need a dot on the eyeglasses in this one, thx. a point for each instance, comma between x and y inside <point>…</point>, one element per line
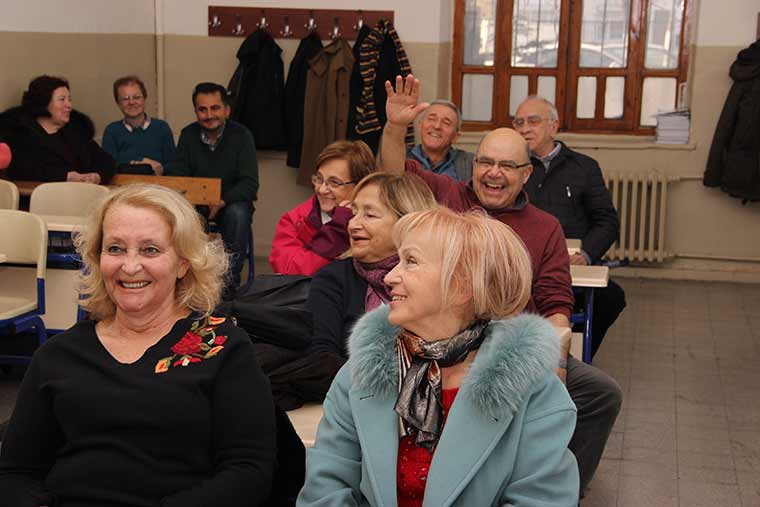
<point>533,121</point>
<point>503,165</point>
<point>127,98</point>
<point>332,183</point>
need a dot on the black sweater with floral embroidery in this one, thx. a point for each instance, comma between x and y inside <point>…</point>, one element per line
<point>190,423</point>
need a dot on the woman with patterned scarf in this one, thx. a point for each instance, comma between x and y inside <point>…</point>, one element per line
<point>449,396</point>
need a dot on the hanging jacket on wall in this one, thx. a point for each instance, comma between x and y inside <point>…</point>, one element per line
<point>325,111</point>
<point>295,91</point>
<point>734,160</point>
<point>355,85</point>
<point>382,58</point>
<point>258,90</point>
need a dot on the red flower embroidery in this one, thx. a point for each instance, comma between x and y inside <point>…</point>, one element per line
<point>189,344</point>
<point>192,348</point>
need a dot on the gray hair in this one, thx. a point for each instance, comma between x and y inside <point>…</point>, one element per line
<point>539,98</point>
<point>450,105</point>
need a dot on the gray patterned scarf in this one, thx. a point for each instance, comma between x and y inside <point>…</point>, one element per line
<point>419,404</point>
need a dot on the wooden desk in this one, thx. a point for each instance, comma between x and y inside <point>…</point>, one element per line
<point>573,246</point>
<point>26,188</point>
<point>305,421</point>
<point>59,223</point>
<point>589,276</point>
<point>198,191</point>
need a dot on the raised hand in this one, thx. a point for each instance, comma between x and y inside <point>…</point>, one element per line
<point>402,106</point>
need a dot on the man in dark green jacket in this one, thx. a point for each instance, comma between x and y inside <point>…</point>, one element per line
<point>215,147</point>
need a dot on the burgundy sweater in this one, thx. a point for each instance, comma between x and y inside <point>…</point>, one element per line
<point>542,234</point>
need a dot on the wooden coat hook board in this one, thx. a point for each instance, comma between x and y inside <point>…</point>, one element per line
<point>291,23</point>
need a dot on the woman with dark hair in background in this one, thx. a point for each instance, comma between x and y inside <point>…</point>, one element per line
<point>50,140</point>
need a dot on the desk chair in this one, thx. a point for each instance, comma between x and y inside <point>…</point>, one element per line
<point>67,198</point>
<point>8,195</point>
<point>21,304</point>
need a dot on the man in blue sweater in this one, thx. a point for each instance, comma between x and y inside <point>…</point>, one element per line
<point>215,147</point>
<point>137,138</point>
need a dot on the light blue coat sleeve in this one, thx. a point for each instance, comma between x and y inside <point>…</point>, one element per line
<point>333,465</point>
<point>545,472</point>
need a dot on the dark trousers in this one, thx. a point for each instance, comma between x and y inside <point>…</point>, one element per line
<point>608,304</point>
<point>597,398</point>
<point>234,221</point>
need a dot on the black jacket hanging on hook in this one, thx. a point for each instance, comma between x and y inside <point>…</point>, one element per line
<point>258,91</point>
<point>295,91</point>
<point>734,160</point>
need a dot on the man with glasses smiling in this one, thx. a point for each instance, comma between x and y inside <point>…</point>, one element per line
<point>569,185</point>
<point>501,168</point>
<point>137,139</point>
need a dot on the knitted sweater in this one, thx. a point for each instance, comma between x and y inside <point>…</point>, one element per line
<point>233,160</point>
<point>155,142</point>
<point>190,423</point>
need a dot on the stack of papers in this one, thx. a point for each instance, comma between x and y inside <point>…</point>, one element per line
<point>673,127</point>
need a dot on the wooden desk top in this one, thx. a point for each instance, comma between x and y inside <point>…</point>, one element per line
<point>590,276</point>
<point>27,187</point>
<point>59,223</point>
<point>198,191</point>
<point>573,246</point>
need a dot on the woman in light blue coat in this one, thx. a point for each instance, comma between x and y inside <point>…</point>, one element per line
<point>449,396</point>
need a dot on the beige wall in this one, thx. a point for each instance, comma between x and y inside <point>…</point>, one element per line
<point>91,62</point>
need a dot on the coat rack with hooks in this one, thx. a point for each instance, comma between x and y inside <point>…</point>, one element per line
<point>291,23</point>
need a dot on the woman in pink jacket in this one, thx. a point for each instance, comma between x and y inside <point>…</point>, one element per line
<point>5,155</point>
<point>315,232</point>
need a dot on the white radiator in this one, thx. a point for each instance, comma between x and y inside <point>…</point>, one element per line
<point>641,202</point>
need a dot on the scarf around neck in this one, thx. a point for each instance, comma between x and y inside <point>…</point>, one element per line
<point>419,403</point>
<point>374,274</point>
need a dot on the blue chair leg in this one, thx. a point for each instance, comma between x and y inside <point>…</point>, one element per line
<point>251,265</point>
<point>587,331</point>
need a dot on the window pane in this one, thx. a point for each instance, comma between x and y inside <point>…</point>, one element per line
<point>479,30</point>
<point>477,96</point>
<point>518,91</point>
<point>614,91</point>
<point>535,33</point>
<point>659,94</point>
<point>663,34</point>
<point>547,88</point>
<point>604,33</point>
<point>586,103</point>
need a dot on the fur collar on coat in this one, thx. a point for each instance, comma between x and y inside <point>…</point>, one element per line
<point>15,118</point>
<point>515,356</point>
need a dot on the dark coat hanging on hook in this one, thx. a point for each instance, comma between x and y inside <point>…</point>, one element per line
<point>258,91</point>
<point>295,91</point>
<point>356,83</point>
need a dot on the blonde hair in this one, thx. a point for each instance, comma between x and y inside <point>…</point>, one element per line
<point>200,288</point>
<point>481,257</point>
<point>401,193</point>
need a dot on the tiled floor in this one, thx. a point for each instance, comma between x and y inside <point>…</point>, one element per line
<point>687,356</point>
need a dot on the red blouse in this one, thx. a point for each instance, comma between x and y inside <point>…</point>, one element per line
<point>414,462</point>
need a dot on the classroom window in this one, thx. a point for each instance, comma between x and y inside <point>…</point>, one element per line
<point>608,65</point>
